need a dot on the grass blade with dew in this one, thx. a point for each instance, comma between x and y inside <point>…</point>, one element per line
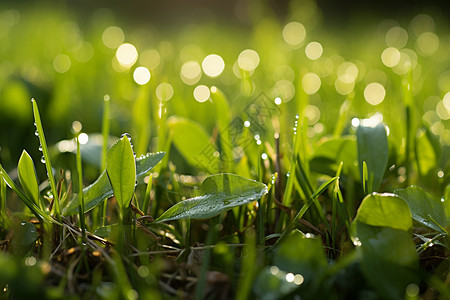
<point>36,210</point>
<point>105,134</point>
<point>305,207</point>
<point>80,191</point>
<point>46,158</point>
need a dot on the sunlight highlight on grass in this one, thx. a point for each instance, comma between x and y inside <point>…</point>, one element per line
<point>213,65</point>
<point>374,93</point>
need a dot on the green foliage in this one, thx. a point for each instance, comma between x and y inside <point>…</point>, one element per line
<point>27,177</point>
<point>373,150</point>
<point>192,141</point>
<point>101,189</point>
<point>220,192</point>
<point>305,143</point>
<point>121,171</point>
<point>386,210</point>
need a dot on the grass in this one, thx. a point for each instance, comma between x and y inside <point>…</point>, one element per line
<point>284,175</point>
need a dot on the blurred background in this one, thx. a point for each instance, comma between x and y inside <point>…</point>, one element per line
<point>309,57</point>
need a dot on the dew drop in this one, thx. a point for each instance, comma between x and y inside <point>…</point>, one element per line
<point>36,133</point>
<point>22,223</point>
<point>40,148</point>
<point>297,116</point>
<point>127,135</point>
<point>288,174</point>
<point>43,159</point>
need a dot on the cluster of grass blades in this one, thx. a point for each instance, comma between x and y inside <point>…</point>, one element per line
<point>113,240</point>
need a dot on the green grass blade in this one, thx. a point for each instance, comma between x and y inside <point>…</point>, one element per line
<point>38,212</point>
<point>46,157</point>
<point>373,149</point>
<point>105,130</point>
<point>80,189</point>
<point>28,178</point>
<point>305,207</point>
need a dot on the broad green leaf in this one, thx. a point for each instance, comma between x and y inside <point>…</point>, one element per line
<point>299,254</point>
<point>304,260</point>
<point>221,192</point>
<point>27,177</point>
<point>25,235</point>
<point>101,189</point>
<point>424,208</point>
<point>329,154</point>
<point>121,171</point>
<point>194,143</point>
<point>387,210</point>
<point>389,259</point>
<point>373,149</point>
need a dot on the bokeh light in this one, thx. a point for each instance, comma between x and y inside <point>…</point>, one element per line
<point>294,34</point>
<point>164,91</point>
<point>311,83</point>
<point>150,58</point>
<point>313,50</point>
<point>62,63</point>
<point>248,60</point>
<point>191,72</point>
<point>347,72</point>
<point>113,37</point>
<point>141,75</point>
<point>127,55</point>
<point>374,93</point>
<point>213,65</point>
<point>422,23</point>
<point>283,89</point>
<point>202,93</point>
<point>390,57</point>
<point>427,43</point>
<point>396,37</point>
<point>344,88</point>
